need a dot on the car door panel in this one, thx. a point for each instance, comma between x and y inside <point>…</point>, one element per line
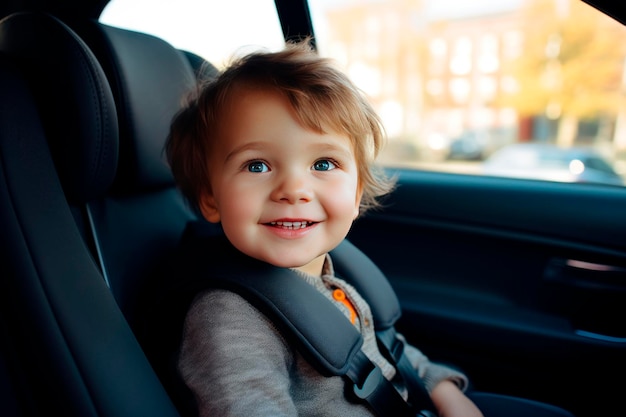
<point>509,279</point>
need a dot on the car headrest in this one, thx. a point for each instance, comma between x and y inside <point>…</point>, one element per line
<point>203,69</point>
<point>73,98</point>
<point>150,80</point>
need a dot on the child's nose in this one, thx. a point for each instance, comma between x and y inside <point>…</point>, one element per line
<point>293,189</point>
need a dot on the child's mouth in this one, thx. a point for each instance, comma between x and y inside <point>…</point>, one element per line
<point>302,224</point>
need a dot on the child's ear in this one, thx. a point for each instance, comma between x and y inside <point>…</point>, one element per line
<point>357,204</point>
<point>209,208</point>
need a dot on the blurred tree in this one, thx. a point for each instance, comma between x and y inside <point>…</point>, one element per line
<point>571,68</point>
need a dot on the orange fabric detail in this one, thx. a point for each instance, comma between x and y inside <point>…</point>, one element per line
<point>340,296</point>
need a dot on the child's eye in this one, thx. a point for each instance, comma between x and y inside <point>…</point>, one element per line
<point>258,166</point>
<point>324,165</point>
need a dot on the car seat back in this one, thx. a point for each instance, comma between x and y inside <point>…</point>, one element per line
<point>70,344</point>
<point>143,216</point>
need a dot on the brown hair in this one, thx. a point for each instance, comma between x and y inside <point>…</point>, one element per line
<point>322,98</point>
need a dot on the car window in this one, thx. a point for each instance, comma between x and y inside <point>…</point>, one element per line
<point>200,26</point>
<point>455,81</point>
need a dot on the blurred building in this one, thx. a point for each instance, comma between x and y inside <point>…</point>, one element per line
<point>435,79</point>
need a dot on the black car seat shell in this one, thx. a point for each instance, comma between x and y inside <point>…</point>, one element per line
<point>75,99</point>
<point>143,215</point>
<point>71,345</point>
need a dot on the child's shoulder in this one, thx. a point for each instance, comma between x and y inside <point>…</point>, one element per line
<point>216,303</point>
<point>223,314</point>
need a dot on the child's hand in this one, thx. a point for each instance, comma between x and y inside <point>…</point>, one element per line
<point>451,402</point>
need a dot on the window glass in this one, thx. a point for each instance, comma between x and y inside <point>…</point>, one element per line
<point>214,31</point>
<point>457,82</point>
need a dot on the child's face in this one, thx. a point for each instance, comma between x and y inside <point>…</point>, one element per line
<point>284,194</point>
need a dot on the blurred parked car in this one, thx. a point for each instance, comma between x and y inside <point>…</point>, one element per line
<point>477,144</point>
<point>471,145</point>
<point>551,163</point>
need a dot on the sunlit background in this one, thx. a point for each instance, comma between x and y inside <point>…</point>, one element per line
<point>456,83</point>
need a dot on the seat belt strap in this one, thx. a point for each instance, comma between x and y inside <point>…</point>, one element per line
<point>393,349</point>
<point>370,385</point>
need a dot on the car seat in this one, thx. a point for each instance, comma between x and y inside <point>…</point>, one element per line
<point>143,217</point>
<point>143,214</point>
<point>68,347</point>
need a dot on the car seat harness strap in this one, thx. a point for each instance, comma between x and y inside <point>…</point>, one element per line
<point>302,314</point>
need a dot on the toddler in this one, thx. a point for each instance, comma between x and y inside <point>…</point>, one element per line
<point>279,150</point>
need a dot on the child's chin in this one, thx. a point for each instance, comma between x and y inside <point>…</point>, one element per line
<point>283,263</point>
<point>281,258</point>
<point>289,262</point>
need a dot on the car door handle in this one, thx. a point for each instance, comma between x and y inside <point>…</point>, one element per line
<point>591,295</point>
<point>586,275</point>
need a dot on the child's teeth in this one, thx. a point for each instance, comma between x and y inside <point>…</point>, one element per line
<point>291,225</point>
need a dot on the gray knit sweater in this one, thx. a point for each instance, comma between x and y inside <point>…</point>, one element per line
<point>237,363</point>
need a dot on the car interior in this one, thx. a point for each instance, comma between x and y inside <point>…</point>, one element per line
<point>521,284</point>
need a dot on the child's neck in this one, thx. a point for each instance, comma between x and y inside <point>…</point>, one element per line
<point>314,267</point>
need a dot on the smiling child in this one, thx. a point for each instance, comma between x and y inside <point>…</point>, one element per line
<point>279,150</point>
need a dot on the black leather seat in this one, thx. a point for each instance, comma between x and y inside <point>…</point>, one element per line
<point>71,351</point>
<point>18,122</point>
<point>143,215</point>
